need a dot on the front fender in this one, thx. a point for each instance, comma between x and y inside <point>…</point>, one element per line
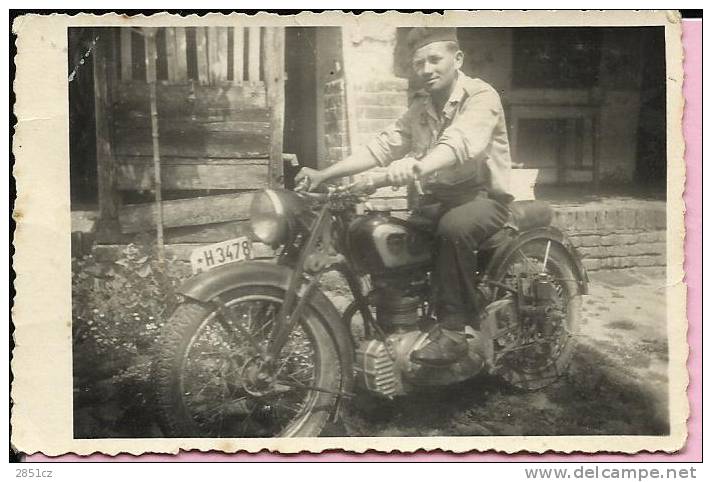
<point>208,285</point>
<point>547,232</point>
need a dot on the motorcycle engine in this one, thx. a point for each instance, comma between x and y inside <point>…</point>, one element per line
<point>398,298</point>
<point>384,366</point>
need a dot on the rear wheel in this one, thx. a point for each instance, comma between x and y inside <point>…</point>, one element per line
<point>533,349</point>
<point>213,382</point>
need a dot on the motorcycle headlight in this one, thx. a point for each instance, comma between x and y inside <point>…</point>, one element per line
<point>268,218</point>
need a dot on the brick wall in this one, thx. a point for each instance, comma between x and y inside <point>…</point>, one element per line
<point>335,123</point>
<point>610,235</point>
<point>378,103</point>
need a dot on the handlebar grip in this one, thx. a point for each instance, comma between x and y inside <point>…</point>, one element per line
<point>303,184</point>
<point>380,179</point>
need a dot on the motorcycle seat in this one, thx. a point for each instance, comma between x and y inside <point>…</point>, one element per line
<point>530,214</point>
<point>524,215</point>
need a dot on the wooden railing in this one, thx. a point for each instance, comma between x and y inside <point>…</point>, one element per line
<point>207,55</point>
<point>202,121</point>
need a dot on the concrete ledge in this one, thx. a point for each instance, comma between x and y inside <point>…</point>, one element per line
<point>637,249</point>
<point>594,264</point>
<point>615,232</point>
<point>617,238</point>
<point>611,216</point>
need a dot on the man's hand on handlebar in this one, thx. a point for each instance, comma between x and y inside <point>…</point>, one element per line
<point>308,179</point>
<point>398,173</point>
<point>402,171</point>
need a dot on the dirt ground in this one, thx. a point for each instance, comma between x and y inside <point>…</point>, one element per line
<point>617,383</point>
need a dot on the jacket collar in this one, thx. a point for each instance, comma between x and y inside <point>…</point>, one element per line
<point>459,92</point>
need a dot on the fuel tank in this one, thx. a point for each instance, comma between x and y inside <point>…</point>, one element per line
<point>378,243</point>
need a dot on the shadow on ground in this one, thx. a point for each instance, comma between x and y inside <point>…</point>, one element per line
<point>597,397</point>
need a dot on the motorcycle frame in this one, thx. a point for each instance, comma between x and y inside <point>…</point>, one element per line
<point>289,272</point>
<point>295,302</point>
<point>318,227</point>
<point>288,316</point>
<point>487,275</point>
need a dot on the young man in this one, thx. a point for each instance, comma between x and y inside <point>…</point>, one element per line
<point>455,132</point>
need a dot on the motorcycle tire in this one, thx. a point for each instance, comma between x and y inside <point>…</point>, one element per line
<point>560,266</point>
<point>174,374</point>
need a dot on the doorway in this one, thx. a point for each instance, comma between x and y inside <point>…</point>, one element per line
<point>300,110</point>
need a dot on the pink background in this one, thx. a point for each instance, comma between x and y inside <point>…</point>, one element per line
<point>692,452</point>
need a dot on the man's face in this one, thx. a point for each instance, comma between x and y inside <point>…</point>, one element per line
<point>436,65</point>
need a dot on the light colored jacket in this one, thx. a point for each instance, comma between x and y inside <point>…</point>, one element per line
<point>472,124</point>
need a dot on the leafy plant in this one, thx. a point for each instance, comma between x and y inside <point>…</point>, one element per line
<point>119,305</point>
<point>118,309</point>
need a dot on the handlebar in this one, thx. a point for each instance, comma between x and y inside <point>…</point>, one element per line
<point>376,180</point>
<point>380,179</point>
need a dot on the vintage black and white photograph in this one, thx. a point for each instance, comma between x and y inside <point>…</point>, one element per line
<point>386,228</point>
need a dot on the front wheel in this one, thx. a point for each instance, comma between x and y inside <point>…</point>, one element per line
<point>212,381</point>
<point>536,347</point>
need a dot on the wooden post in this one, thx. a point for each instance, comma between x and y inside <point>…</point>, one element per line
<point>181,66</point>
<point>213,54</point>
<point>171,59</point>
<point>201,43</point>
<point>273,61</point>
<point>217,54</point>
<point>253,56</point>
<point>106,174</point>
<point>150,43</point>
<point>238,42</point>
<point>126,66</point>
<point>222,53</point>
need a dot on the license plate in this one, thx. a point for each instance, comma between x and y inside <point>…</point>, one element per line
<point>218,254</point>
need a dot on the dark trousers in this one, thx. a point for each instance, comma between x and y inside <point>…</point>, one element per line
<point>461,229</point>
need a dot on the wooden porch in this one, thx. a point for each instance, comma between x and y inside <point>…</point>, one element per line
<point>189,124</point>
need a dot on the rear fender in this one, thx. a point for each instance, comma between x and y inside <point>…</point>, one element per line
<point>549,233</point>
<point>208,285</point>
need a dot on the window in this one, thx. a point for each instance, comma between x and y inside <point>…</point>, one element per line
<point>556,58</point>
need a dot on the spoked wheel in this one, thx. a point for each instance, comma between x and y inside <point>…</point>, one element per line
<point>214,381</point>
<point>535,348</point>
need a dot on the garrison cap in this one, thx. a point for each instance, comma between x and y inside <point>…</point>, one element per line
<point>421,36</point>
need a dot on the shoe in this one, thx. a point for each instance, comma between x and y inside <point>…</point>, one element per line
<point>445,348</point>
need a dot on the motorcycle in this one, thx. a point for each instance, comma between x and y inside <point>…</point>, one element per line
<point>256,349</point>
